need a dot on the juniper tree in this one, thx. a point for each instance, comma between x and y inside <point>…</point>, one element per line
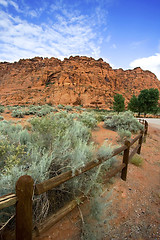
<point>148,100</point>
<point>118,104</point>
<point>133,104</point>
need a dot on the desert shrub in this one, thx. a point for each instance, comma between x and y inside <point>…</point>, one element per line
<point>24,137</point>
<point>42,132</point>
<point>62,114</point>
<point>33,162</point>
<point>26,112</point>
<point>44,110</point>
<point>13,107</point>
<point>125,121</point>
<point>34,109</point>
<point>10,130</point>
<point>11,155</point>
<point>78,108</point>
<point>124,134</point>
<point>67,138</point>
<point>88,119</point>
<point>137,160</point>
<point>100,116</point>
<point>96,223</point>
<point>60,106</point>
<point>55,143</point>
<point>104,151</point>
<point>54,110</point>
<point>68,108</point>
<point>75,115</point>
<point>39,110</point>
<point>2,108</point>
<point>1,118</point>
<point>19,157</point>
<point>17,114</point>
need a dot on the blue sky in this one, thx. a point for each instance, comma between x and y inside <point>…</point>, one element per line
<point>125,33</point>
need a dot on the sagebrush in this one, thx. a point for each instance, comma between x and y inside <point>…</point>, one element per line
<point>125,121</point>
<point>49,146</point>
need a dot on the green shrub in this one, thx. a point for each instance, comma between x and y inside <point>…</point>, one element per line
<point>137,160</point>
<point>124,134</point>
<point>34,109</point>
<point>17,114</point>
<point>2,108</point>
<point>44,110</point>
<point>125,121</point>
<point>60,106</point>
<point>13,107</point>
<point>1,118</point>
<point>10,154</point>
<point>54,110</point>
<point>100,117</point>
<point>68,108</point>
<point>10,130</point>
<point>104,152</point>
<point>78,108</point>
<point>55,143</point>
<point>24,137</point>
<point>88,119</point>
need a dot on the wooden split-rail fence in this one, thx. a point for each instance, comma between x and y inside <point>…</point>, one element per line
<point>25,189</point>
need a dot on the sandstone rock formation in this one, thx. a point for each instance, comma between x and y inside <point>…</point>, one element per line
<point>73,81</point>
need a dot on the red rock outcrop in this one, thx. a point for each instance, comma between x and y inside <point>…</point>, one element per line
<point>74,81</point>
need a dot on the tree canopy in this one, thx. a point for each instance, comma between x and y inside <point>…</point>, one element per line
<point>146,102</point>
<point>133,104</point>
<point>118,104</point>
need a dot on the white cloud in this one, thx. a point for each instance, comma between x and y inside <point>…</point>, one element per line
<point>69,34</point>
<point>32,13</point>
<point>23,8</point>
<point>114,46</point>
<point>6,3</point>
<point>151,63</point>
<point>15,5</point>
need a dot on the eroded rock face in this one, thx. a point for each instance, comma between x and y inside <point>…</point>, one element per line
<point>73,81</point>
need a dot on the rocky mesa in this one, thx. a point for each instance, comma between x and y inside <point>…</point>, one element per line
<point>73,81</point>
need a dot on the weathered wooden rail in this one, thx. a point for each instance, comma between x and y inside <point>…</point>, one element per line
<point>25,188</point>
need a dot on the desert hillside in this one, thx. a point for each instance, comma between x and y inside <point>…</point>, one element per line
<point>74,81</point>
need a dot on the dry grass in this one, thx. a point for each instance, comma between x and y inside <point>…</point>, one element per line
<point>137,160</point>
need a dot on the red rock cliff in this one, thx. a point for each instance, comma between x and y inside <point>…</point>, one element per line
<point>77,80</point>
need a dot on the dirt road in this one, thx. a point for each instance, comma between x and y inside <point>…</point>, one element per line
<point>154,122</point>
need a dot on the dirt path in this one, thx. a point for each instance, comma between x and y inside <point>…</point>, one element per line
<point>137,201</point>
<point>134,212</point>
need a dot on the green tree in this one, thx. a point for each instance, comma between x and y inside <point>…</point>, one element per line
<point>118,104</point>
<point>153,100</point>
<point>148,100</point>
<point>133,104</point>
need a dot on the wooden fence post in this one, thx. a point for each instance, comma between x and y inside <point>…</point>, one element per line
<point>24,193</point>
<point>125,160</point>
<point>140,143</point>
<point>145,130</point>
